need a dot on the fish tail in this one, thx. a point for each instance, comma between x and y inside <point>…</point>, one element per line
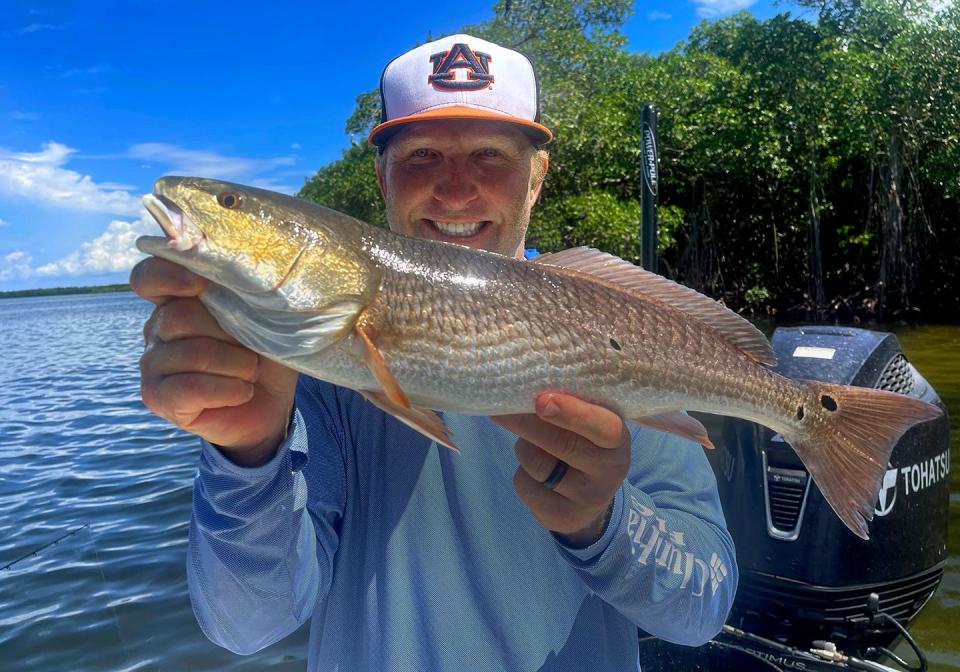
<point>845,439</point>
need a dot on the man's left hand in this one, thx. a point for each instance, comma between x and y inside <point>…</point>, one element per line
<point>595,444</point>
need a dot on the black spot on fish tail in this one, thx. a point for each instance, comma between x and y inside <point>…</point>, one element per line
<point>800,412</point>
<point>615,345</point>
<point>828,402</point>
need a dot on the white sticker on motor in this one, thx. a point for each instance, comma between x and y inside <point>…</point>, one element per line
<point>817,353</point>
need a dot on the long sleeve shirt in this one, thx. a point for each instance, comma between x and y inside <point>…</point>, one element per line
<point>409,556</point>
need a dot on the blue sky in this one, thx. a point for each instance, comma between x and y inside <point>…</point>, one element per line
<point>98,99</point>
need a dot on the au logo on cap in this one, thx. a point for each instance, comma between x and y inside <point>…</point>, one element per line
<point>461,57</point>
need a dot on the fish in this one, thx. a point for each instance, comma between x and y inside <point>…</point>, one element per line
<point>420,327</point>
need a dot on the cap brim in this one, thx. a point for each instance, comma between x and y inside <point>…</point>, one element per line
<point>539,133</point>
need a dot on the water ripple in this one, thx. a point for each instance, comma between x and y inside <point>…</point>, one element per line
<point>77,447</point>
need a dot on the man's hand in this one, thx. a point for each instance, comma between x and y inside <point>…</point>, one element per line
<point>593,441</point>
<point>198,377</point>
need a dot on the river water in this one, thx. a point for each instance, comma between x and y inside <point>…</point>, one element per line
<point>80,456</point>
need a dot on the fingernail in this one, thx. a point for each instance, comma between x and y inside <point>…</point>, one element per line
<point>550,409</point>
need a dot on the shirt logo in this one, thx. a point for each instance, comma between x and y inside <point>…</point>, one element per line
<point>461,58</point>
<point>651,541</point>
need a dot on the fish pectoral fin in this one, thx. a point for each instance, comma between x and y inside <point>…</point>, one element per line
<point>392,399</point>
<point>679,423</point>
<point>423,420</point>
<point>378,367</point>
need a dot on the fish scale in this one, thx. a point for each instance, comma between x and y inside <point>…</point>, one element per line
<point>417,325</point>
<point>531,340</point>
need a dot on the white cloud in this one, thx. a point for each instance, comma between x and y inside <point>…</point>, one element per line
<point>3,224</point>
<point>91,70</point>
<point>204,163</point>
<point>709,9</point>
<point>16,265</point>
<point>117,186</point>
<point>112,250</point>
<point>53,152</point>
<point>42,177</point>
<point>35,28</point>
<point>659,16</point>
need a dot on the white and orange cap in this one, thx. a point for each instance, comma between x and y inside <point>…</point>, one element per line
<point>459,77</point>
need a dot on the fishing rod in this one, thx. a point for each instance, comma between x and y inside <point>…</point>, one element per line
<point>45,546</point>
<point>649,190</point>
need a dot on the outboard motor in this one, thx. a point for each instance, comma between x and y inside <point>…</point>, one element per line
<point>806,582</point>
<point>803,575</point>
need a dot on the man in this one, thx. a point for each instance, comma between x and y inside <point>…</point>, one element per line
<point>543,552</point>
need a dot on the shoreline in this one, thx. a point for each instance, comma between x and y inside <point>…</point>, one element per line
<point>58,291</point>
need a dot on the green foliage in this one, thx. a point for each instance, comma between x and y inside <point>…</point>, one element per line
<point>756,296</point>
<point>56,291</point>
<point>349,185</point>
<point>597,218</point>
<point>807,167</point>
<point>669,222</point>
<point>366,116</point>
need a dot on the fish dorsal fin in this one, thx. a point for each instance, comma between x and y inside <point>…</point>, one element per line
<point>625,275</point>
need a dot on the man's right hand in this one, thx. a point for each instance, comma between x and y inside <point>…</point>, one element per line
<point>200,378</point>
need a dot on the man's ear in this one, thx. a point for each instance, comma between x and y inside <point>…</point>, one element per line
<point>538,173</point>
<point>378,169</point>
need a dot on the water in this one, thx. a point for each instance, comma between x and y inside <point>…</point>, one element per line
<point>77,448</point>
<point>935,351</point>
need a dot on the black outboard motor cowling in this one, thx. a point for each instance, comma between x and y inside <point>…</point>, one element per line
<point>803,575</point>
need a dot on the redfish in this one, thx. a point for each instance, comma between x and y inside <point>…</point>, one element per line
<point>420,326</point>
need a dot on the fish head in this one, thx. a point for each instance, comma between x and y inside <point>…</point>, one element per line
<point>239,237</point>
<point>255,241</point>
<point>287,277</point>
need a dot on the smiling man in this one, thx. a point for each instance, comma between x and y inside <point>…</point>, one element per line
<point>541,546</point>
<point>462,181</point>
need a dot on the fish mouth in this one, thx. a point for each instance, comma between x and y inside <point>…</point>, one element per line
<point>182,233</point>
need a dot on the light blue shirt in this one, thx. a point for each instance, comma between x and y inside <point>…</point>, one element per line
<point>409,556</point>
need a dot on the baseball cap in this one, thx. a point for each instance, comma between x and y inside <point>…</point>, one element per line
<point>459,77</point>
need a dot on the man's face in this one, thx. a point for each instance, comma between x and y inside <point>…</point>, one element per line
<point>461,181</point>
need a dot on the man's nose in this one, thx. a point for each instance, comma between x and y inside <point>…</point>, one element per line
<point>457,185</point>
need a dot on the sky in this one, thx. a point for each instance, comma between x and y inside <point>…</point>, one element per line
<point>100,98</point>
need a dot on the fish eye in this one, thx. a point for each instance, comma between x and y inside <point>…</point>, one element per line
<point>229,199</point>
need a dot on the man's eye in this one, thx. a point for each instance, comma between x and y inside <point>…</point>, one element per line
<point>421,153</point>
<point>490,152</point>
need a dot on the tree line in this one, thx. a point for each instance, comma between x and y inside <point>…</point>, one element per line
<point>57,291</point>
<point>809,163</point>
